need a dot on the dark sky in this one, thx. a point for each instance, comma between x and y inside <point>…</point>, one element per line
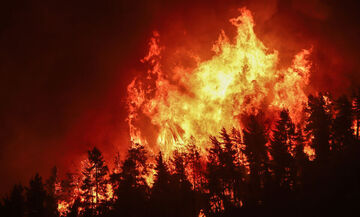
<point>65,65</point>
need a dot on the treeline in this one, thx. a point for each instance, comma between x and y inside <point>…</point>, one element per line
<point>253,172</point>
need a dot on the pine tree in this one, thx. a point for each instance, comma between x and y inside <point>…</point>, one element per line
<point>184,197</point>
<point>35,197</point>
<point>115,175</point>
<point>95,181</point>
<point>129,184</point>
<point>70,187</point>
<point>318,126</point>
<point>52,193</point>
<point>214,188</point>
<point>87,188</point>
<point>240,173</point>
<point>162,202</point>
<point>225,175</point>
<point>14,205</point>
<point>343,134</point>
<point>231,170</point>
<point>196,170</point>
<point>179,174</point>
<point>194,164</point>
<point>281,143</point>
<point>301,159</point>
<point>256,153</point>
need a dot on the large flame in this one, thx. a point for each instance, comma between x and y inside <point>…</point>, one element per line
<point>243,77</point>
<point>170,108</point>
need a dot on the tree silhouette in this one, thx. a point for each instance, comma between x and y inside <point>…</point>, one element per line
<point>70,187</point>
<point>256,152</point>
<point>225,175</point>
<point>74,209</point>
<point>248,172</point>
<point>14,205</point>
<point>196,170</point>
<point>318,127</point>
<point>52,193</point>
<point>115,176</point>
<point>129,184</point>
<point>301,159</point>
<point>215,189</point>
<point>281,143</point>
<point>184,197</point>
<point>94,184</point>
<point>343,134</point>
<point>36,197</point>
<point>162,202</point>
<point>194,164</point>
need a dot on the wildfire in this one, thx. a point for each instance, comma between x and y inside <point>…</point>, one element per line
<point>181,105</point>
<point>76,193</point>
<point>242,77</point>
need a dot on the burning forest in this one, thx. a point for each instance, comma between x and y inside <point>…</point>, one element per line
<point>237,129</point>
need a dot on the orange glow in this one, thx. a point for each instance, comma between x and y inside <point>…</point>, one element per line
<point>354,126</point>
<point>243,77</point>
<point>64,205</point>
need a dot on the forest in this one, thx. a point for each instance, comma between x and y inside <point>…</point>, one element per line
<point>260,170</point>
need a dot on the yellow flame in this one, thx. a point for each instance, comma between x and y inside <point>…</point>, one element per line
<point>242,77</point>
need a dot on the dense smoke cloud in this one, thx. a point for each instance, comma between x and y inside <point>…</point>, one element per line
<point>65,66</point>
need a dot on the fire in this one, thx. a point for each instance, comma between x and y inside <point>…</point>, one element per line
<point>63,207</point>
<point>76,193</point>
<point>183,104</point>
<point>242,77</point>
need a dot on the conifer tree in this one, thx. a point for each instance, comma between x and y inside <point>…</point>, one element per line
<point>301,159</point>
<point>343,133</point>
<point>95,181</point>
<point>318,126</point>
<point>162,202</point>
<point>115,175</point>
<point>129,183</point>
<point>35,198</point>
<point>225,175</point>
<point>70,187</point>
<point>215,189</point>
<point>14,204</point>
<point>52,193</point>
<point>231,169</point>
<point>256,152</point>
<point>193,162</point>
<point>281,144</point>
<point>184,197</point>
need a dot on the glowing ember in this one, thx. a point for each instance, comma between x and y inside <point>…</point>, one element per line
<point>243,77</point>
<point>63,207</point>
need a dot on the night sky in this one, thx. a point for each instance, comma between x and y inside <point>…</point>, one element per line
<point>65,65</point>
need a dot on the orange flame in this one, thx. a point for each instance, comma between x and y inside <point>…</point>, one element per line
<point>76,192</point>
<point>243,77</point>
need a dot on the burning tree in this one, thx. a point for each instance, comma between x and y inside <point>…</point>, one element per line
<point>261,168</point>
<point>318,126</point>
<point>129,184</point>
<point>282,163</point>
<point>94,186</point>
